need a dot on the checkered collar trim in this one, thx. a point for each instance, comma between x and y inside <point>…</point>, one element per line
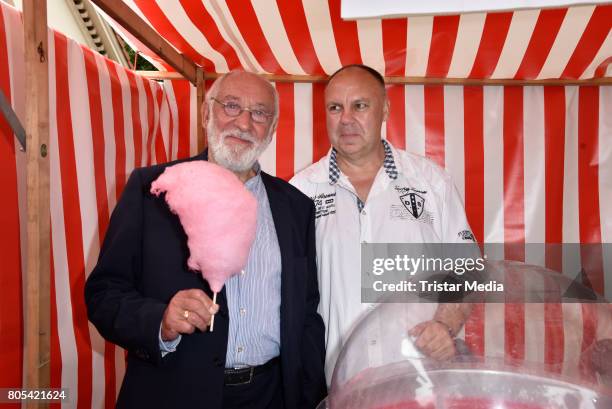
<point>388,164</point>
<point>334,170</point>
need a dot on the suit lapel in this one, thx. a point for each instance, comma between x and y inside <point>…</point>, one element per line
<point>281,214</point>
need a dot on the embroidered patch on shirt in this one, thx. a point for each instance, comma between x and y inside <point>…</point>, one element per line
<point>325,204</point>
<point>412,199</point>
<point>413,205</point>
<point>399,212</point>
<point>466,235</point>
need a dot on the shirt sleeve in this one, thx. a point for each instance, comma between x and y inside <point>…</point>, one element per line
<point>457,232</point>
<point>455,227</point>
<point>167,346</point>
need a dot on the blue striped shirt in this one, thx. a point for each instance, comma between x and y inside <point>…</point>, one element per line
<point>254,296</point>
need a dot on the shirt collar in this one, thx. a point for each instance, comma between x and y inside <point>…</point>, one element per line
<point>334,170</point>
<point>256,168</point>
<point>255,179</point>
<point>388,164</point>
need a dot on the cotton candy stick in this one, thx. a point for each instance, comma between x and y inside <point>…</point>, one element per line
<point>212,319</point>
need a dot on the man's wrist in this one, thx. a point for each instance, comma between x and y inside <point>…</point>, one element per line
<point>451,316</point>
<point>167,346</point>
<point>448,328</point>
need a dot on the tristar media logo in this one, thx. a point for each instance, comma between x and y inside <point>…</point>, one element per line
<point>414,203</point>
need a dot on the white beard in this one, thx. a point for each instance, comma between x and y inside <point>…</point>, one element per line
<point>236,160</point>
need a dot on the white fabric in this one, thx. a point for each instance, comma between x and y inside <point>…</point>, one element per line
<point>340,229</point>
<point>365,9</point>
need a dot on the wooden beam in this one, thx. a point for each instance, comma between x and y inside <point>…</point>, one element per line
<point>201,94</point>
<point>161,75</point>
<point>165,75</point>
<point>485,82</point>
<point>132,22</point>
<point>37,280</point>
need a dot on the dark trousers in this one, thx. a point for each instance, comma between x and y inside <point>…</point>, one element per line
<point>264,392</point>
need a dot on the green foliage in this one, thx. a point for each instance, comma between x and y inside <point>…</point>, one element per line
<point>141,63</point>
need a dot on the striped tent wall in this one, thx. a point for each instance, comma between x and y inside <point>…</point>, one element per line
<point>533,164</point>
<point>104,122</point>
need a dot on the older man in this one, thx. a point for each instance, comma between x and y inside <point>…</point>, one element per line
<point>142,297</point>
<point>374,193</point>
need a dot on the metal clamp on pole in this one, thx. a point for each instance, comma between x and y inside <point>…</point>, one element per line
<point>13,121</point>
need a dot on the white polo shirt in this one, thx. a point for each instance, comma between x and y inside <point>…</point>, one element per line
<point>412,200</point>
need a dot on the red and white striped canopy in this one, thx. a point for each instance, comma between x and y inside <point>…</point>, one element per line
<point>310,38</point>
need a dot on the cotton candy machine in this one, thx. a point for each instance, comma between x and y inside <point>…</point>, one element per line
<point>554,367</point>
<point>463,386</point>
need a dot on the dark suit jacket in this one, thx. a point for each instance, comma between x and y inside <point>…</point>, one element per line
<point>143,263</point>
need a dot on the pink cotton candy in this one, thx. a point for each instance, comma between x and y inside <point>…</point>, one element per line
<point>218,213</point>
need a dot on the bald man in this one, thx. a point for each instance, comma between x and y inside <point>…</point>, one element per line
<point>367,191</point>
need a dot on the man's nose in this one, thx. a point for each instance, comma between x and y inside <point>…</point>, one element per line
<point>346,116</point>
<point>244,121</point>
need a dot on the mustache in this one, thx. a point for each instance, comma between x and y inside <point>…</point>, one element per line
<point>349,129</point>
<point>236,133</point>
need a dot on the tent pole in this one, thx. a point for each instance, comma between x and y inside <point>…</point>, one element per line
<point>37,277</point>
<point>201,93</point>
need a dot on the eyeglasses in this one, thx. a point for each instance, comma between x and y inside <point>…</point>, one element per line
<point>233,109</point>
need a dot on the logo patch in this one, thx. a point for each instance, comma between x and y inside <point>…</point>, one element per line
<point>414,203</point>
<point>325,204</point>
<point>466,235</point>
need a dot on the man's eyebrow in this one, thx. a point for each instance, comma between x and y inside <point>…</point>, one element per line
<point>235,98</point>
<point>261,105</point>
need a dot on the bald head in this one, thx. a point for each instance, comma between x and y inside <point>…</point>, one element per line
<point>369,71</point>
